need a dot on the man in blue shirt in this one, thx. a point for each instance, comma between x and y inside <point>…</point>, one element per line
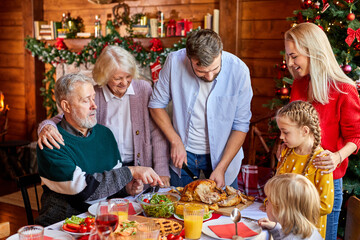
<point>211,94</point>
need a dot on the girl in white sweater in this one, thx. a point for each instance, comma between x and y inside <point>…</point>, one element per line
<point>293,208</point>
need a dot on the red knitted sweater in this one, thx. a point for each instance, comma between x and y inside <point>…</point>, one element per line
<point>339,119</point>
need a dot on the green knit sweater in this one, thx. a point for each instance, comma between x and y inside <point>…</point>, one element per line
<point>83,170</point>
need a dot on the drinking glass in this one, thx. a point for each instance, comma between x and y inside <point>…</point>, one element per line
<point>119,207</point>
<point>105,218</point>
<point>148,230</point>
<point>193,220</point>
<point>31,232</point>
<point>94,235</point>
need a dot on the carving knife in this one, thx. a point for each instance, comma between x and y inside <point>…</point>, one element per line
<point>189,172</point>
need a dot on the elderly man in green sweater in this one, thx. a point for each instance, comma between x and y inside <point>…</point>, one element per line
<point>88,167</point>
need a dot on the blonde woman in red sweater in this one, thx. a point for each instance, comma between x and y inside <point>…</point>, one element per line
<point>320,81</point>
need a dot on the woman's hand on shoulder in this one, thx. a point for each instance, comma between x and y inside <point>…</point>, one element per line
<point>50,136</point>
<point>327,160</point>
<point>266,223</point>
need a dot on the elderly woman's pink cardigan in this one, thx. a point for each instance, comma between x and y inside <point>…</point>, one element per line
<point>151,148</point>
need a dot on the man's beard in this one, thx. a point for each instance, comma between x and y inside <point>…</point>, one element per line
<point>206,80</point>
<point>88,122</point>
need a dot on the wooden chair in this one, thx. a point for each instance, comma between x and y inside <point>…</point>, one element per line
<point>24,182</point>
<point>255,133</point>
<point>4,229</point>
<point>352,229</point>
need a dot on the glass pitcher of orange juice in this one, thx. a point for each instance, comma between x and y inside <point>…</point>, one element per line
<point>193,220</point>
<point>119,207</point>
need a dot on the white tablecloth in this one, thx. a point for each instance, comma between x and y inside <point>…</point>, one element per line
<point>251,212</point>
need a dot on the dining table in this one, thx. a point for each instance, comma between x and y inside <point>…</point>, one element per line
<point>251,212</point>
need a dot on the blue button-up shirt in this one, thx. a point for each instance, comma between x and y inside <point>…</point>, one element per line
<point>228,105</point>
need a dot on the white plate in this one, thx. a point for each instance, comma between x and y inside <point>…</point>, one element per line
<point>49,233</point>
<point>137,207</point>
<point>182,219</point>
<point>206,230</point>
<point>74,234</point>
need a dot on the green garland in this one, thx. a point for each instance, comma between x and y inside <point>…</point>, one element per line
<point>51,55</point>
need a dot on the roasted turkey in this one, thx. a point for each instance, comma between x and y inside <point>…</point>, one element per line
<point>203,190</point>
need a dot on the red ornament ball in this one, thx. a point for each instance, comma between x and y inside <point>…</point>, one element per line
<point>283,66</point>
<point>349,1</point>
<point>357,46</point>
<point>346,68</point>
<point>350,17</point>
<point>306,4</point>
<point>284,91</point>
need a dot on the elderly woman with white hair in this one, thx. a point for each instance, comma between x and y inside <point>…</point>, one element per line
<point>122,102</point>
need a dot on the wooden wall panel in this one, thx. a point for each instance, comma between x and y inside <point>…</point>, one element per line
<point>261,48</point>
<point>10,18</point>
<point>263,24</point>
<point>11,74</point>
<point>10,6</point>
<point>271,9</point>
<point>264,29</point>
<point>263,86</point>
<point>261,68</point>
<point>261,27</point>
<point>12,60</point>
<point>12,66</point>
<point>12,46</point>
<point>13,88</point>
<point>11,32</point>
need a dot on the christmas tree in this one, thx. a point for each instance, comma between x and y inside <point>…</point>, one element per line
<point>339,20</point>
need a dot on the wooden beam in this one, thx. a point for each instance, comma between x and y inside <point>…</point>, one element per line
<point>34,69</point>
<point>230,27</point>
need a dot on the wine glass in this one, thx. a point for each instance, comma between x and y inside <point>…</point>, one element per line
<point>101,233</point>
<point>105,219</point>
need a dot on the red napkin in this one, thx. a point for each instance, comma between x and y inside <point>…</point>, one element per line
<point>131,210</point>
<point>228,230</point>
<point>214,216</point>
<point>47,238</point>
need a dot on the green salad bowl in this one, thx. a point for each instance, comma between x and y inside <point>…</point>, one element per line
<point>158,205</point>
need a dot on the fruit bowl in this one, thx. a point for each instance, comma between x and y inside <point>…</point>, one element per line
<point>159,205</point>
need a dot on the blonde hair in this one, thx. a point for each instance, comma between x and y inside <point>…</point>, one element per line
<point>325,71</point>
<point>302,114</point>
<point>111,59</point>
<point>295,203</point>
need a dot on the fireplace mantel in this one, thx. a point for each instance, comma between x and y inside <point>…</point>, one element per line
<point>77,44</point>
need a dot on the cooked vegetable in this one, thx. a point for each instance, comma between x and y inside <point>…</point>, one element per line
<point>77,224</point>
<point>74,219</point>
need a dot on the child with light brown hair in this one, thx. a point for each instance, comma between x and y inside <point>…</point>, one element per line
<point>293,208</point>
<point>300,130</point>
